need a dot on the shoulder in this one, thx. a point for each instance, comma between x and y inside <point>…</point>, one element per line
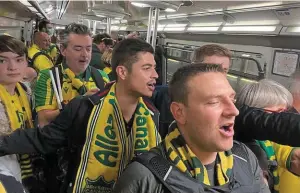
<point>138,179</point>
<point>244,154</point>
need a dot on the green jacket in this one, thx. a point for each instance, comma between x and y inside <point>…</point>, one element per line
<point>96,60</point>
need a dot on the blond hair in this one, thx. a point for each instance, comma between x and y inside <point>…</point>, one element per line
<point>106,57</point>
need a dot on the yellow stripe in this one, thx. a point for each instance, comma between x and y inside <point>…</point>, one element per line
<point>2,189</point>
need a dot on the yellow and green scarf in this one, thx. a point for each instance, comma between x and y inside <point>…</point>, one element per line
<point>187,162</point>
<point>108,148</point>
<point>19,120</point>
<point>267,146</point>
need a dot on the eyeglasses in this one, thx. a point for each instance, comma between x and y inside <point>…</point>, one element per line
<point>278,111</point>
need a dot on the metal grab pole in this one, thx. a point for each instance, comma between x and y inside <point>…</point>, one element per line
<point>94,27</point>
<point>108,25</point>
<point>149,24</point>
<point>155,28</point>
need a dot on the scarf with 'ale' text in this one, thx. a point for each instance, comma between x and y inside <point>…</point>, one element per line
<point>20,118</point>
<point>186,161</point>
<point>108,148</point>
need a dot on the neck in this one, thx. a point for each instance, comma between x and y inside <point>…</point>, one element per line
<point>73,70</point>
<point>206,157</point>
<point>10,88</point>
<point>126,100</point>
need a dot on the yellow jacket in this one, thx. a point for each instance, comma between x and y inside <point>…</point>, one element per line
<point>41,62</point>
<point>288,183</point>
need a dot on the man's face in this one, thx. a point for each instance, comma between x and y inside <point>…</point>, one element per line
<point>43,41</point>
<point>142,78</point>
<point>12,68</point>
<point>224,61</point>
<point>208,117</point>
<point>78,52</point>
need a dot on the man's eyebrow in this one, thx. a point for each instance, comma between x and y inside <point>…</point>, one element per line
<point>8,57</point>
<point>148,65</point>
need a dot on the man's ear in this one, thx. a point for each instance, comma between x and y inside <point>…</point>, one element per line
<point>122,72</point>
<point>178,112</point>
<point>63,50</point>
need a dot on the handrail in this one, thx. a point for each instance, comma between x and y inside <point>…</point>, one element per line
<point>261,72</point>
<point>36,5</point>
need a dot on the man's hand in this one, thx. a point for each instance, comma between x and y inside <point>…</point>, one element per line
<point>295,162</point>
<point>92,91</point>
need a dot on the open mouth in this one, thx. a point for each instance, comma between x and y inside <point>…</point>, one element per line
<point>227,130</point>
<point>151,86</point>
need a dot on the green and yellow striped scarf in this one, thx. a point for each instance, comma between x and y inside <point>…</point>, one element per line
<point>108,148</point>
<point>267,146</point>
<point>19,120</point>
<point>186,161</point>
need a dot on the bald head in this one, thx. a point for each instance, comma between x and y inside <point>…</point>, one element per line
<point>42,40</point>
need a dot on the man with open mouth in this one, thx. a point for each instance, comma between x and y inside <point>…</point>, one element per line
<point>199,153</point>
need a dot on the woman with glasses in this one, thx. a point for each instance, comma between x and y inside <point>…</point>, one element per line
<point>278,162</point>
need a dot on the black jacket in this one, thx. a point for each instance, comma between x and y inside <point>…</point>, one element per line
<point>67,130</point>
<point>253,123</point>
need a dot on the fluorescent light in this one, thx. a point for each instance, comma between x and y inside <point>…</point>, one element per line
<point>174,29</point>
<point>140,4</point>
<point>176,25</point>
<point>176,16</point>
<point>203,29</point>
<point>100,15</point>
<point>123,28</point>
<point>113,27</point>
<point>293,29</point>
<point>59,27</point>
<point>159,27</point>
<point>246,55</point>
<point>206,24</point>
<point>250,28</point>
<point>254,22</point>
<point>170,10</point>
<point>118,18</point>
<point>255,5</point>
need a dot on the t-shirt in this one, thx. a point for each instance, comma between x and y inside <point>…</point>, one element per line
<point>210,168</point>
<point>41,62</point>
<point>45,98</point>
<point>22,118</point>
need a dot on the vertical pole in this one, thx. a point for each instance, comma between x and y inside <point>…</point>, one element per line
<point>108,21</point>
<point>155,24</point>
<point>108,26</point>
<point>149,24</point>
<point>95,27</point>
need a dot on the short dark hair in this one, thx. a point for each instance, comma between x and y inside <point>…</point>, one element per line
<point>97,39</point>
<point>126,53</point>
<point>43,24</point>
<point>73,28</point>
<point>210,50</point>
<point>178,89</point>
<point>11,44</point>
